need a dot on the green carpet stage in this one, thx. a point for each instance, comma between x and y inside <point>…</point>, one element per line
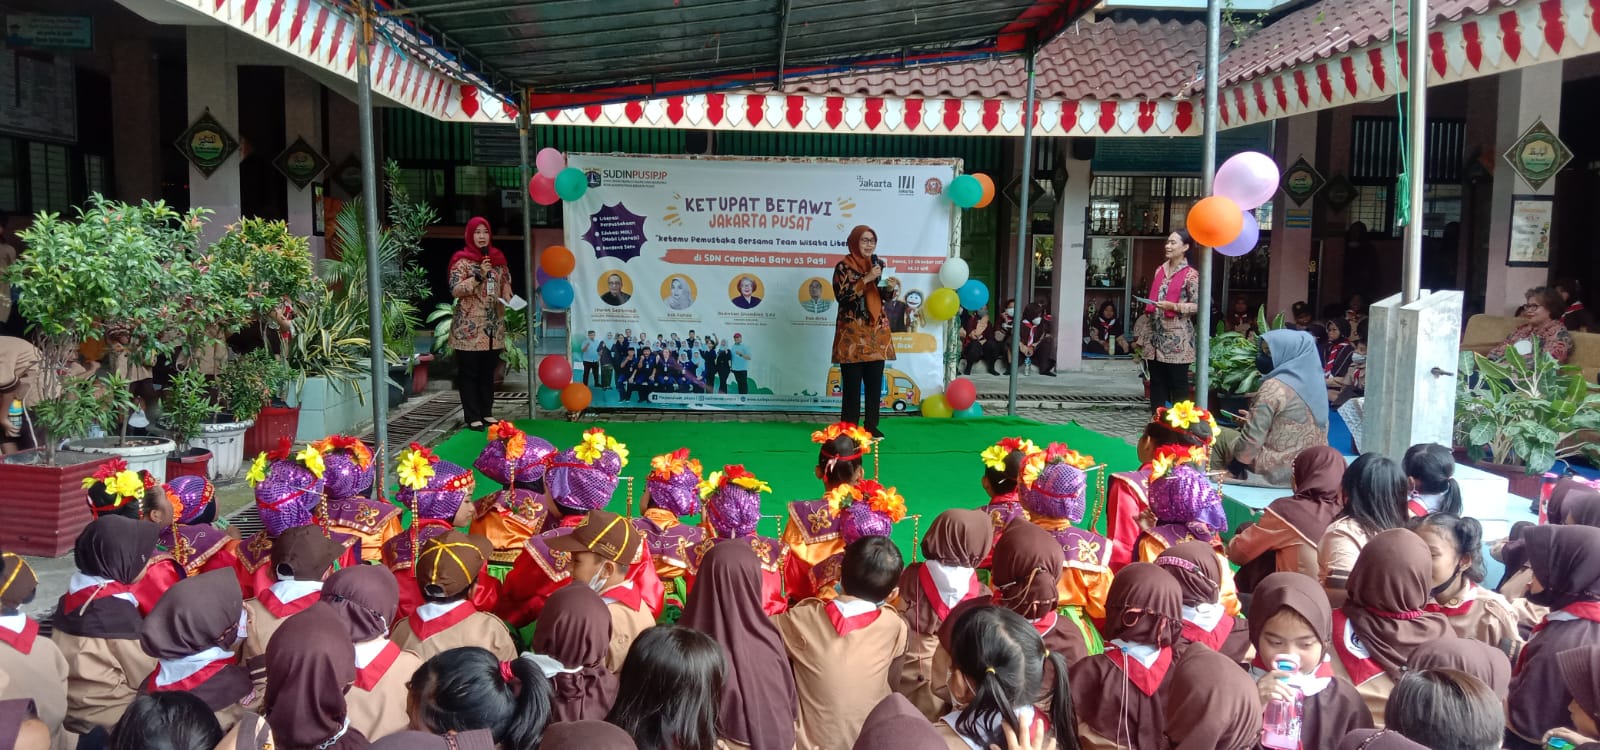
<point>932,462</point>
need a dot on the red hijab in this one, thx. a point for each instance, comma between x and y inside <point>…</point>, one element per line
<point>471,253</point>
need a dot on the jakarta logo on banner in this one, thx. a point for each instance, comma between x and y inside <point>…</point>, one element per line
<point>719,275</point>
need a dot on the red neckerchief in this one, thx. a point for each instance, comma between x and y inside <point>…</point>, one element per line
<point>931,591</point>
<point>1045,624</point>
<point>367,677</point>
<point>1359,669</point>
<point>1147,679</point>
<point>1214,638</point>
<point>282,609</point>
<point>1324,668</point>
<point>425,629</point>
<point>1417,509</point>
<point>79,599</point>
<point>627,596</point>
<point>22,641</point>
<point>847,625</point>
<point>1460,609</point>
<point>1583,610</point>
<point>568,522</point>
<point>192,681</point>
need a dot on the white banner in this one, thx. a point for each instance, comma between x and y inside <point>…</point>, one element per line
<point>674,248</point>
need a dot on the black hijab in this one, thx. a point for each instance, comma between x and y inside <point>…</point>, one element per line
<point>111,547</point>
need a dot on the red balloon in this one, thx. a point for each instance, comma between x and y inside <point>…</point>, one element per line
<point>960,394</point>
<point>542,190</point>
<point>575,397</point>
<point>555,371</point>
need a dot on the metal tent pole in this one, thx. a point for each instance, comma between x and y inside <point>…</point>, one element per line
<point>369,200</point>
<point>527,252</point>
<point>1022,239</point>
<point>1416,146</point>
<point>1208,168</point>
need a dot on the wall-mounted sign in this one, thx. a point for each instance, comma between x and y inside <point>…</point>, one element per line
<point>1297,218</point>
<point>1301,181</point>
<point>206,144</point>
<point>42,31</point>
<point>1538,155</point>
<point>348,176</point>
<point>1531,218</point>
<point>1339,193</point>
<point>300,163</point>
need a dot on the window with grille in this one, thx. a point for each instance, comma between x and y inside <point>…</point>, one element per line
<point>94,174</point>
<point>50,186</point>
<point>9,198</point>
<point>1371,207</point>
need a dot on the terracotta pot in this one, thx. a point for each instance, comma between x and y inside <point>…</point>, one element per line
<point>193,463</point>
<point>272,424</point>
<point>44,509</point>
<point>419,373</point>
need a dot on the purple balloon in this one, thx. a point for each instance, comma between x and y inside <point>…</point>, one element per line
<point>540,276</point>
<point>1248,179</point>
<point>1249,235</point>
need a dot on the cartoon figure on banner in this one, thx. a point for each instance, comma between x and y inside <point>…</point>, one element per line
<point>678,291</point>
<point>616,288</point>
<point>816,296</point>
<point>746,292</point>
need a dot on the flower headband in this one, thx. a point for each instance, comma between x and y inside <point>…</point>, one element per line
<point>1055,453</point>
<point>414,465</point>
<point>880,499</point>
<point>668,465</point>
<point>516,440</point>
<point>995,455</point>
<point>736,475</point>
<point>309,457</point>
<point>595,443</point>
<point>862,438</point>
<point>1184,415</point>
<point>122,483</point>
<point>358,450</point>
<point>1169,457</point>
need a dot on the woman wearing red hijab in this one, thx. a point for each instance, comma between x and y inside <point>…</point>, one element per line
<point>480,281</point>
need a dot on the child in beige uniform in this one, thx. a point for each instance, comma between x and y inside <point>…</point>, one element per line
<point>301,558</point>
<point>601,546</point>
<point>447,568</point>
<point>36,668</point>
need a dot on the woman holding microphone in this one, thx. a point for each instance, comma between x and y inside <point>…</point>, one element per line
<point>480,281</point>
<point>861,337</point>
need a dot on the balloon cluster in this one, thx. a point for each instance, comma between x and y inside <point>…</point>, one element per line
<point>1226,219</point>
<point>556,181</point>
<point>960,397</point>
<point>556,388</point>
<point>970,190</point>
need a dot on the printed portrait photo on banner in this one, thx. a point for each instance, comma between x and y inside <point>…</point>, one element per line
<point>678,291</point>
<point>746,291</point>
<point>615,288</point>
<point>816,295</point>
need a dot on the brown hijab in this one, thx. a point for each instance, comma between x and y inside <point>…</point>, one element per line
<point>311,662</point>
<point>1580,671</point>
<point>114,547</point>
<point>1388,589</point>
<point>957,537</point>
<point>1582,508</point>
<point>304,553</point>
<point>1296,592</point>
<point>477,739</point>
<point>895,724</point>
<point>575,629</point>
<point>1145,605</point>
<point>863,266</point>
<point>12,714</point>
<point>1213,704</point>
<point>365,598</point>
<point>195,614</point>
<point>1475,658</point>
<point>585,735</point>
<point>1027,565</point>
<point>1195,567</point>
<point>1377,739</point>
<point>759,706</point>
<point>1317,498</point>
<point>1566,562</point>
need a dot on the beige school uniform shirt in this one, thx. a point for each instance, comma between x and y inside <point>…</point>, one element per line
<point>102,678</point>
<point>477,629</point>
<point>380,710</point>
<point>39,675</point>
<point>1336,556</point>
<point>839,679</point>
<point>626,625</point>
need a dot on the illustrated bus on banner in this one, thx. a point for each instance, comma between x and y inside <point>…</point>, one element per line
<point>899,391</point>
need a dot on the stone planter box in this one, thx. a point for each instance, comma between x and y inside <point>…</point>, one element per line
<point>326,411</point>
<point>149,454</point>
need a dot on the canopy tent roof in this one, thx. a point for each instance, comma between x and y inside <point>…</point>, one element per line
<point>578,52</point>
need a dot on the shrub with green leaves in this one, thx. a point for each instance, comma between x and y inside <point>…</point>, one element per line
<point>186,405</point>
<point>1233,356</point>
<point>1527,414</point>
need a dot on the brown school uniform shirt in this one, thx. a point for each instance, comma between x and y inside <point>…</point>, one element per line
<point>1336,556</point>
<point>924,675</point>
<point>103,678</point>
<point>41,676</point>
<point>1103,700</point>
<point>1293,552</point>
<point>839,679</point>
<point>377,701</point>
<point>1374,692</point>
<point>479,629</point>
<point>626,625</point>
<point>1539,697</point>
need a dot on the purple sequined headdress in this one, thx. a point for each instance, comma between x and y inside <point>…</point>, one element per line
<point>733,501</point>
<point>866,508</point>
<point>1185,495</point>
<point>512,457</point>
<point>193,493</point>
<point>286,497</point>
<point>1058,492</point>
<point>585,477</point>
<point>447,489</point>
<point>674,483</point>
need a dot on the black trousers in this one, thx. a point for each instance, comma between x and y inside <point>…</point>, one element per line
<point>743,376</point>
<point>855,375</point>
<point>1169,383</point>
<point>475,381</point>
<point>591,370</point>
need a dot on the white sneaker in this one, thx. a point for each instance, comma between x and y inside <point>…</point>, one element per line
<point>138,419</point>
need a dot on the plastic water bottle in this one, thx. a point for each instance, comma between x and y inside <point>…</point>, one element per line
<point>15,414</point>
<point>1280,724</point>
<point>1027,363</point>
<point>1556,743</point>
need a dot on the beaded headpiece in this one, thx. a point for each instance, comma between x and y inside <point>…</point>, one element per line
<point>733,501</point>
<point>349,469</point>
<point>431,487</point>
<point>674,482</point>
<point>585,477</point>
<point>514,457</point>
<point>1185,495</point>
<point>866,508</point>
<point>287,488</point>
<point>1054,484</point>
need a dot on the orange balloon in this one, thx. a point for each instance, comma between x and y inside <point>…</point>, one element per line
<point>575,397</point>
<point>557,261</point>
<point>1215,221</point>
<point>988,189</point>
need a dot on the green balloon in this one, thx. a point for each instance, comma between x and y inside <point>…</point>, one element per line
<point>975,410</point>
<point>964,191</point>
<point>549,398</point>
<point>572,183</point>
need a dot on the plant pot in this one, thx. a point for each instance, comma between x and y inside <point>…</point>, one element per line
<point>326,410</point>
<point>194,462</point>
<point>401,390</point>
<point>272,425</point>
<point>1521,483</point>
<point>44,509</point>
<point>225,441</point>
<point>419,373</point>
<point>148,454</point>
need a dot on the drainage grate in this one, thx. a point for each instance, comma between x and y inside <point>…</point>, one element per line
<point>1070,398</point>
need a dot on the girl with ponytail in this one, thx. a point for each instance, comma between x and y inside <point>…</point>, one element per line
<point>1431,469</point>
<point>467,688</point>
<point>812,529</point>
<point>1456,547</point>
<point>1122,693</point>
<point>1002,666</point>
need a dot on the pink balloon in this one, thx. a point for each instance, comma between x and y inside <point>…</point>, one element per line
<point>1248,179</point>
<point>960,394</point>
<point>550,162</point>
<point>1249,235</point>
<point>542,190</point>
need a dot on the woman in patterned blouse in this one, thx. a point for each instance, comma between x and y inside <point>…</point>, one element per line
<point>861,338</point>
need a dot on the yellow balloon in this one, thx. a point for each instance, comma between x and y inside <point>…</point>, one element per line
<point>943,304</point>
<point>936,407</point>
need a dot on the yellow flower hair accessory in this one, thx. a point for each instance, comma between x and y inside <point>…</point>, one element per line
<point>125,483</point>
<point>359,451</point>
<point>1169,456</point>
<point>1184,416</point>
<point>258,470</point>
<point>311,458</point>
<point>995,455</point>
<point>668,465</point>
<point>415,467</point>
<point>839,497</point>
<point>710,484</point>
<point>595,443</point>
<point>736,475</point>
<point>862,438</point>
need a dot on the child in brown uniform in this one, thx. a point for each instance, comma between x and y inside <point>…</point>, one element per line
<point>956,542</point>
<point>1291,622</point>
<point>842,650</point>
<point>36,667</point>
<point>190,633</point>
<point>301,558</point>
<point>364,597</point>
<point>601,546</point>
<point>447,569</point>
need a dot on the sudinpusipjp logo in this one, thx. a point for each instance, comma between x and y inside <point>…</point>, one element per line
<point>626,177</point>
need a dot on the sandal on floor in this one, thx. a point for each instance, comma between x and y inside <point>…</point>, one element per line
<point>476,426</point>
<point>491,421</point>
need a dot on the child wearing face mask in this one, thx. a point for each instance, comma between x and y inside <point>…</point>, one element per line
<point>1455,544</point>
<point>601,547</point>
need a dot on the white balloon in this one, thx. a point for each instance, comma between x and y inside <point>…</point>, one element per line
<point>953,273</point>
<point>1248,179</point>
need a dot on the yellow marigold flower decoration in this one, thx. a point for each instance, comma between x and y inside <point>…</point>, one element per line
<point>850,429</point>
<point>710,484</point>
<point>311,458</point>
<point>125,483</point>
<point>1055,453</point>
<point>1169,456</point>
<point>414,469</point>
<point>668,465</point>
<point>884,500</point>
<point>258,470</point>
<point>995,455</point>
<point>595,443</point>
<point>736,475</point>
<point>841,496</point>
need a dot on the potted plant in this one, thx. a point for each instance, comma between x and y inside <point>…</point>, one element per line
<point>185,407</point>
<point>512,359</point>
<point>1234,377</point>
<point>44,508</point>
<point>1518,418</point>
<point>330,358</point>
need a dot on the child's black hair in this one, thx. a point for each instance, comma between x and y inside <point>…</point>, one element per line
<point>463,689</point>
<point>1003,658</point>
<point>1004,482</point>
<point>871,568</point>
<point>839,461</point>
<point>1375,492</point>
<point>166,720</point>
<point>1434,468</point>
<point>1465,533</point>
